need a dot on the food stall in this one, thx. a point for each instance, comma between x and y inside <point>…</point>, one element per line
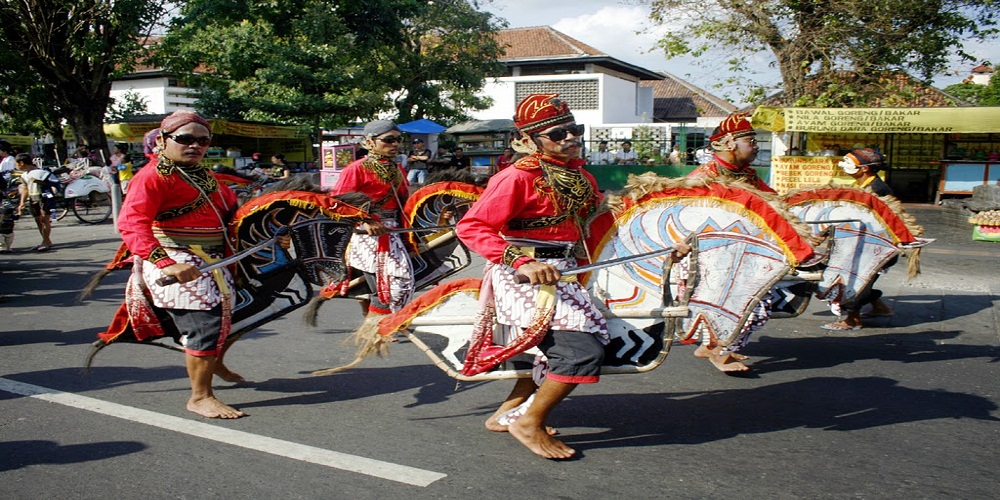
<point>229,136</point>
<point>931,151</point>
<point>483,141</point>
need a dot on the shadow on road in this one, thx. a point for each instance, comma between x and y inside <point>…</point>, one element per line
<point>18,454</point>
<point>827,403</point>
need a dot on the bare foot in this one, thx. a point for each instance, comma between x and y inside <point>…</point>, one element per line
<point>493,425</point>
<point>727,363</point>
<point>213,408</point>
<point>704,352</point>
<point>228,375</point>
<point>540,442</point>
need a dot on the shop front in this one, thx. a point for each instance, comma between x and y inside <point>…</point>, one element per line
<point>932,152</point>
<point>233,142</point>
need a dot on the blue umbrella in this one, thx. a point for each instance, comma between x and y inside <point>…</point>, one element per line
<point>422,126</point>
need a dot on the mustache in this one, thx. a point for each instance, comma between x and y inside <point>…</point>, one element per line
<point>569,144</point>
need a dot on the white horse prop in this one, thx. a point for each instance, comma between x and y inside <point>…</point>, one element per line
<point>743,244</point>
<point>866,235</point>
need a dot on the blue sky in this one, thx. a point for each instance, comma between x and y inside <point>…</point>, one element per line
<point>611,28</point>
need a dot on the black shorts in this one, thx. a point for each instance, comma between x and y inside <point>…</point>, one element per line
<point>199,330</point>
<point>574,357</point>
<point>43,206</point>
<point>375,304</point>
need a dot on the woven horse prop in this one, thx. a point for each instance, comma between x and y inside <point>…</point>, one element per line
<point>866,235</point>
<point>271,282</point>
<point>434,255</point>
<point>735,233</point>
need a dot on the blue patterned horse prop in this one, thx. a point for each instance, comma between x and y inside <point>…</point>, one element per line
<point>867,233</point>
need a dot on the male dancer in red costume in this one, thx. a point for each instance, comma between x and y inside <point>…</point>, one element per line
<point>173,222</point>
<point>530,221</point>
<point>381,256</point>
<point>735,145</point>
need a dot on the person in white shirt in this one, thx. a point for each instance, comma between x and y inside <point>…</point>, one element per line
<point>7,164</point>
<point>625,155</point>
<point>601,156</point>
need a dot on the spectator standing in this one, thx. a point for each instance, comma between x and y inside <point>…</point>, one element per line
<point>675,156</point>
<point>38,194</point>
<point>123,167</point>
<point>601,156</point>
<point>417,162</point>
<point>441,159</point>
<point>7,217</point>
<point>7,163</point>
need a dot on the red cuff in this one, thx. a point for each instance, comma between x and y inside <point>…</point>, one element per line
<point>520,261</point>
<point>160,264</point>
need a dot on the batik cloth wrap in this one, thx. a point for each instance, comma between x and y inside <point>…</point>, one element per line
<point>174,214</point>
<point>386,257</point>
<point>542,200</point>
<point>202,294</point>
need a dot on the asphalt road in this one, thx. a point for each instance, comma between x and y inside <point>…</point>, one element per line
<point>904,408</point>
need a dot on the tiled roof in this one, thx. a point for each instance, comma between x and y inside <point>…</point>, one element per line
<point>675,100</point>
<point>541,42</point>
<point>982,68</point>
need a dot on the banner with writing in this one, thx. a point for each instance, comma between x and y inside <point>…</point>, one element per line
<point>793,172</point>
<point>880,120</point>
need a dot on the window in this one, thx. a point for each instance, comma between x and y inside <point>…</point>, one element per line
<point>579,94</point>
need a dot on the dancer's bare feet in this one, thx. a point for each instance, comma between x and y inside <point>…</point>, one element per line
<point>210,407</point>
<point>495,426</point>
<point>704,352</point>
<point>540,442</point>
<point>728,362</point>
<point>228,375</point>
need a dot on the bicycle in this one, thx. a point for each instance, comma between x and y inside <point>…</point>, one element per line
<point>84,190</point>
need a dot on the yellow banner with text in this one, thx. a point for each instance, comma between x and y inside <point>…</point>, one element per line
<point>880,120</point>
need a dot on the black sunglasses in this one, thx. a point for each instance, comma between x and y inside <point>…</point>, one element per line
<point>188,139</point>
<point>561,133</point>
<point>392,139</point>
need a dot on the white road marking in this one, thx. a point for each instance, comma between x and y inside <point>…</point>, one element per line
<point>296,451</point>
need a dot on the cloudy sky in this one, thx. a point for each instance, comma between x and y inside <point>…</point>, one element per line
<point>610,26</point>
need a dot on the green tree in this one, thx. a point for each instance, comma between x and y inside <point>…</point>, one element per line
<point>967,91</point>
<point>446,50</point>
<point>310,63</point>
<point>76,48</point>
<point>26,106</point>
<point>991,93</point>
<point>130,103</point>
<point>849,43</point>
